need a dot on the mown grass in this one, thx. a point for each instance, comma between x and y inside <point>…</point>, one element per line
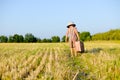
<point>100,61</point>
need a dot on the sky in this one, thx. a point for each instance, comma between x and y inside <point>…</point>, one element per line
<point>46,18</point>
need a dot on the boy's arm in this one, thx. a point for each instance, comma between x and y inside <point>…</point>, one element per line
<point>76,32</point>
<point>66,38</point>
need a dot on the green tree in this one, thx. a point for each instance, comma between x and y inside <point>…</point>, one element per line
<point>44,40</point>
<point>3,39</point>
<point>30,38</point>
<point>55,39</point>
<point>11,39</point>
<point>49,40</point>
<point>85,36</point>
<point>63,38</point>
<point>21,38</point>
<point>39,40</point>
<point>16,38</point>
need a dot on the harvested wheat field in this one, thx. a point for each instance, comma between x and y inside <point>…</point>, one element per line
<point>52,61</point>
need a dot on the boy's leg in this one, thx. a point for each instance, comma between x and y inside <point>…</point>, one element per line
<point>72,52</point>
<point>71,48</point>
<point>75,53</point>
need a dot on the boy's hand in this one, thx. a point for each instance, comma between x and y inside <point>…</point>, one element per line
<point>66,39</point>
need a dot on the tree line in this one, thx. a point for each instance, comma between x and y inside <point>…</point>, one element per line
<point>28,38</point>
<point>110,35</point>
<point>84,36</point>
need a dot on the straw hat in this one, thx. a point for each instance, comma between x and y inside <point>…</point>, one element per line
<point>71,24</point>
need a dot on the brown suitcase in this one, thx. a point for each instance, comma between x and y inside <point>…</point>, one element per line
<point>79,46</point>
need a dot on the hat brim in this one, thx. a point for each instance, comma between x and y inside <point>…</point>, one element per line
<point>71,25</point>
